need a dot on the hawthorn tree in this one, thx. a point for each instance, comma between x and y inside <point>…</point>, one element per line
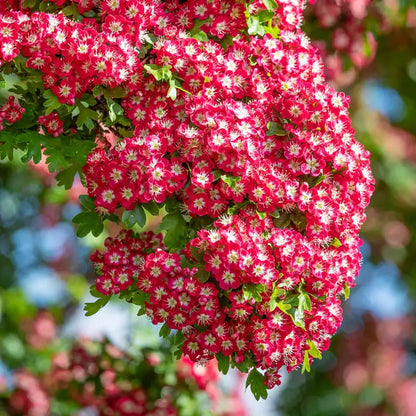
<point>216,117</point>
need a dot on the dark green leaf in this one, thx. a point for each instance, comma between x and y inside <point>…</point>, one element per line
<point>89,221</point>
<point>66,177</point>
<point>137,215</point>
<point>87,202</point>
<point>223,362</point>
<point>92,308</point>
<point>202,275</point>
<point>164,331</point>
<point>256,381</point>
<point>176,231</point>
<point>151,207</point>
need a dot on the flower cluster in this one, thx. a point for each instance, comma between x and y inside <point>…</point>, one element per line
<point>233,126</point>
<point>259,144</point>
<point>123,260</point>
<point>10,112</point>
<point>53,124</point>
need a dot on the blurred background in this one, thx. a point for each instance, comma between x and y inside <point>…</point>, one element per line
<point>369,51</point>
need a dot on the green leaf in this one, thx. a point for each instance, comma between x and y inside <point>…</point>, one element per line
<point>306,366</point>
<point>201,36</point>
<point>261,215</point>
<point>89,221</point>
<point>114,110</point>
<point>172,92</point>
<point>264,15</point>
<point>336,243</point>
<point>313,350</point>
<point>284,307</point>
<point>33,146</point>
<point>272,30</point>
<point>202,275</point>
<point>252,291</point>
<point>304,304</point>
<point>176,231</point>
<point>137,215</point>
<point>86,117</point>
<point>275,129</point>
<point>254,26</point>
<point>231,181</point>
<point>164,331</point>
<point>273,298</point>
<point>117,92</point>
<point>197,255</point>
<point>256,381</point>
<point>270,4</point>
<point>92,308</point>
<point>151,207</point>
<point>305,301</point>
<point>66,177</point>
<point>29,3</point>
<point>87,202</point>
<point>223,362</point>
<point>346,291</point>
<point>172,205</point>
<point>161,73</point>
<point>52,103</point>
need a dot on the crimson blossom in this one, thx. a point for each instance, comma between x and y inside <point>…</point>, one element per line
<point>236,135</point>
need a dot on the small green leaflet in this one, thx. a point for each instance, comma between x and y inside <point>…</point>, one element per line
<point>91,308</point>
<point>270,4</point>
<point>33,146</point>
<point>85,116</point>
<point>275,294</point>
<point>256,381</point>
<point>252,291</point>
<point>306,366</point>
<point>304,304</point>
<point>313,352</point>
<point>254,26</point>
<point>137,215</point>
<point>275,129</point>
<point>346,291</point>
<point>114,110</point>
<point>201,36</point>
<point>231,181</point>
<point>264,15</point>
<point>336,243</point>
<point>161,73</point>
<point>175,85</point>
<point>261,215</point>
